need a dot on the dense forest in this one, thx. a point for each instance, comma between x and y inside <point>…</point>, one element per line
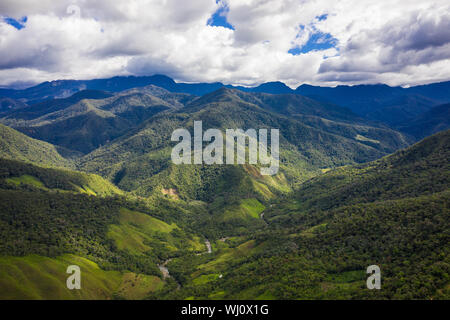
<point>392,212</point>
<point>349,194</point>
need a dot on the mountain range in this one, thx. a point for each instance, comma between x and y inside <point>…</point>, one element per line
<point>392,106</point>
<point>86,178</point>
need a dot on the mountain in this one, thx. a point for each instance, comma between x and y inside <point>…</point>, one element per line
<point>275,87</point>
<point>40,109</point>
<point>351,95</point>
<point>347,96</point>
<point>401,109</point>
<point>53,218</point>
<point>296,105</point>
<point>90,118</point>
<point>140,226</point>
<point>8,105</point>
<point>17,146</point>
<point>66,88</point>
<point>438,91</point>
<point>318,242</point>
<point>139,161</point>
<point>435,120</point>
<point>390,105</point>
<point>126,139</point>
<point>175,98</point>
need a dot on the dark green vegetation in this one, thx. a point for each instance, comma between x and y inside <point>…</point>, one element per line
<point>435,120</point>
<point>390,105</point>
<point>313,136</point>
<point>308,232</point>
<point>15,145</point>
<point>8,105</point>
<point>89,119</point>
<point>318,242</point>
<point>50,213</point>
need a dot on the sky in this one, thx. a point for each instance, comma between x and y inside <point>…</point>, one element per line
<point>240,42</point>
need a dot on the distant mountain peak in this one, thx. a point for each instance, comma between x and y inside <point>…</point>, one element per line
<point>219,95</point>
<point>274,87</point>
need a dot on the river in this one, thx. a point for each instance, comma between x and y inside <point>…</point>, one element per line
<point>163,267</point>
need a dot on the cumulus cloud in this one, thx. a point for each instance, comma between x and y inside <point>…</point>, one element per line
<point>396,42</point>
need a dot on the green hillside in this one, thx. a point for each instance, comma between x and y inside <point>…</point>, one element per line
<point>51,218</point>
<point>305,149</point>
<point>35,277</point>
<point>319,241</point>
<point>308,232</point>
<point>90,118</point>
<point>434,120</point>
<point>17,146</point>
<point>23,175</point>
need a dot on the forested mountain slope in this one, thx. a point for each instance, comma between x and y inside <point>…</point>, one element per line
<point>318,242</point>
<point>17,146</point>
<point>309,231</point>
<point>305,147</point>
<point>52,218</point>
<point>90,118</point>
<point>435,120</point>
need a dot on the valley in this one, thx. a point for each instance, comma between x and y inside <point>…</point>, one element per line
<point>88,179</point>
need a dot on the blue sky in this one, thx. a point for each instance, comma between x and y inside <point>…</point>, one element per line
<point>317,41</point>
<point>219,18</point>
<point>18,24</point>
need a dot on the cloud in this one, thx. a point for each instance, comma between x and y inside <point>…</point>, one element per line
<point>244,42</point>
<point>399,45</point>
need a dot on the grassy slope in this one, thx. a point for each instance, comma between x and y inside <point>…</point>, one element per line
<point>54,211</point>
<point>135,231</point>
<point>20,173</point>
<point>37,277</point>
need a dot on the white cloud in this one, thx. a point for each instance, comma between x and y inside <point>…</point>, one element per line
<point>395,42</point>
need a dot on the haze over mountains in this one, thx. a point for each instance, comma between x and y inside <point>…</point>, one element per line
<point>86,177</point>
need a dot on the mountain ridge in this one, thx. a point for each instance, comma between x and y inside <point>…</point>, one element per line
<point>381,103</point>
<point>438,90</point>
